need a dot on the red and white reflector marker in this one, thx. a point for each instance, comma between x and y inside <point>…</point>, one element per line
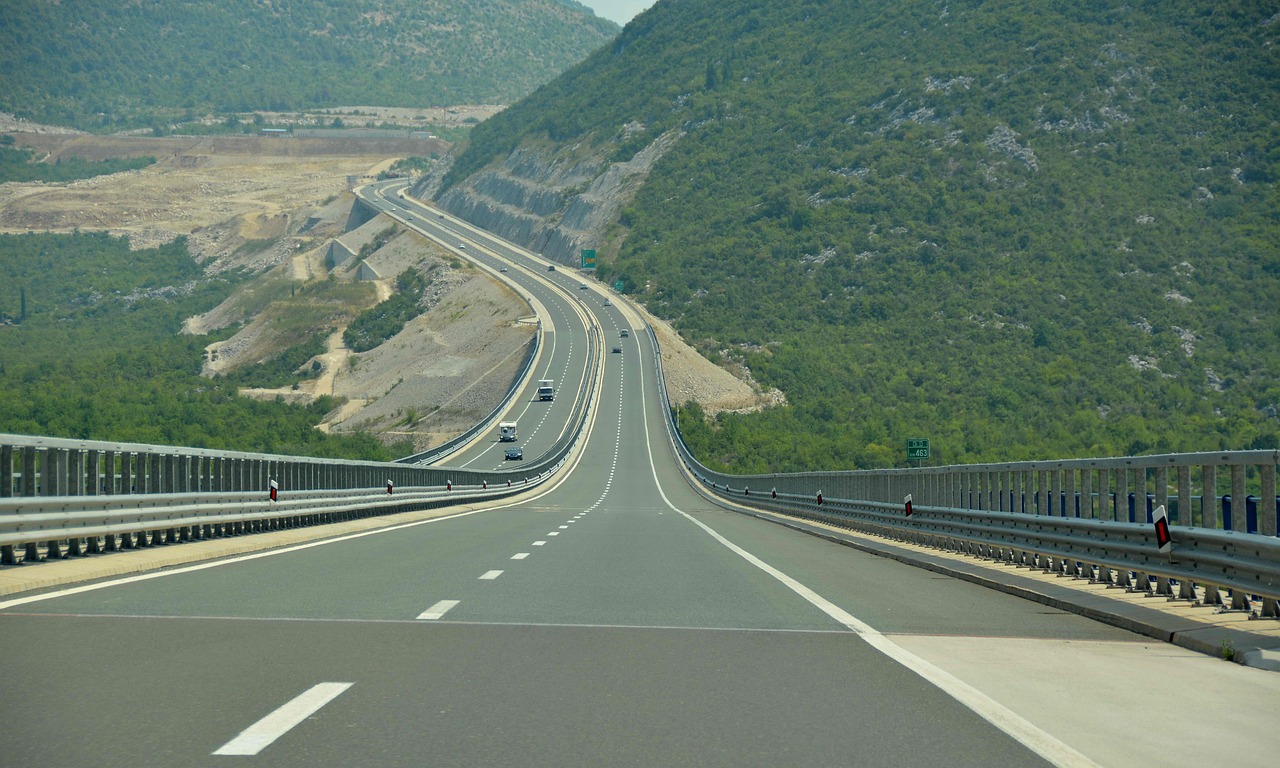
<point>390,486</point>
<point>1163,538</point>
<point>275,489</point>
<point>907,503</point>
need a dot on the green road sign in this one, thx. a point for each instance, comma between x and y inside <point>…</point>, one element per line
<point>588,258</point>
<point>917,448</point>
<point>617,286</point>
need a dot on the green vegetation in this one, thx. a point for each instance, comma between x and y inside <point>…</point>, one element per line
<point>284,369</point>
<point>385,320</point>
<point>99,354</point>
<point>105,65</point>
<point>19,165</point>
<point>1025,230</point>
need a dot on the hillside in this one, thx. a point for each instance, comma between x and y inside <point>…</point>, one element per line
<point>1025,230</point>
<point>102,64</point>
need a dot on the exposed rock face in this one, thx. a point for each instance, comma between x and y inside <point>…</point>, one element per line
<point>554,202</point>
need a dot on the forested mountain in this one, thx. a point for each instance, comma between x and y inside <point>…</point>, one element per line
<point>114,63</point>
<point>1028,229</point>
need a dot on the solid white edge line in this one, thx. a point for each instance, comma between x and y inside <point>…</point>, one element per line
<point>261,734</point>
<point>1014,725</point>
<point>438,610</point>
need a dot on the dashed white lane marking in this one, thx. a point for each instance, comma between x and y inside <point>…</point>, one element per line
<point>490,575</point>
<point>554,533</point>
<point>261,734</point>
<point>563,527</point>
<point>519,555</point>
<point>438,610</point>
<point>539,543</point>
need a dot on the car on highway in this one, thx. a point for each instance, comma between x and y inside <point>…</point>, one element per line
<point>582,286</point>
<point>608,303</point>
<point>504,269</point>
<point>514,453</point>
<point>625,333</point>
<point>551,268</point>
<point>617,348</point>
<point>462,246</point>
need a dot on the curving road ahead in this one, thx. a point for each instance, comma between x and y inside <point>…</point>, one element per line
<point>613,619</point>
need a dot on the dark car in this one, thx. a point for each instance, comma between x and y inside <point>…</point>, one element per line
<point>617,349</point>
<point>551,268</point>
<point>514,452</point>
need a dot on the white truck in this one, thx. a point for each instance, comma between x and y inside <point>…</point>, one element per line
<point>506,431</point>
<point>546,389</point>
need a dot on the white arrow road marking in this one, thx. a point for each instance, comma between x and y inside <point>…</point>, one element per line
<point>261,734</point>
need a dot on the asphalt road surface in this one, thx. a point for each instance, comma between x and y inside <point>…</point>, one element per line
<point>617,619</point>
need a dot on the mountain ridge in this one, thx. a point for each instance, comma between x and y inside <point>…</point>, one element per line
<point>107,65</point>
<point>1043,230</point>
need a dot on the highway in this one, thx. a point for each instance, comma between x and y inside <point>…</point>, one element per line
<point>613,618</point>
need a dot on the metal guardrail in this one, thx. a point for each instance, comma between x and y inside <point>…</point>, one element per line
<point>76,497</point>
<point>1086,517</point>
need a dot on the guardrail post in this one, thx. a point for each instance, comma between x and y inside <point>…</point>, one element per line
<point>1209,497</point>
<point>1185,515</point>
<point>7,554</point>
<point>1239,514</point>
<point>1086,494</point>
<point>56,466</point>
<point>93,472</point>
<point>75,472</point>
<point>30,482</point>
<point>1267,506</point>
<point>6,471</point>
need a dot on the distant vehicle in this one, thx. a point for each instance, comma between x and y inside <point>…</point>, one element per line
<point>617,348</point>
<point>514,453</point>
<point>551,268</point>
<point>625,333</point>
<point>504,269</point>
<point>608,303</point>
<point>506,431</point>
<point>582,286</point>
<point>546,389</point>
<point>462,246</point>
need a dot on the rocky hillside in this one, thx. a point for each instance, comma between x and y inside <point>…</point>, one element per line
<point>104,64</point>
<point>1032,230</point>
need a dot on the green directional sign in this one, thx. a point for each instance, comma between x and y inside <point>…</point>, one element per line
<point>917,448</point>
<point>618,286</point>
<point>588,258</point>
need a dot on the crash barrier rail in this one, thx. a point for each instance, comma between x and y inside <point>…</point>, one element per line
<point>81,497</point>
<point>451,445</point>
<point>1090,518</point>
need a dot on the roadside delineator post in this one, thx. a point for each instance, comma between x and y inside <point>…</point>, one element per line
<point>1164,539</point>
<point>774,492</point>
<point>275,488</point>
<point>448,485</point>
<point>389,486</point>
<point>907,503</point>
<point>819,498</point>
